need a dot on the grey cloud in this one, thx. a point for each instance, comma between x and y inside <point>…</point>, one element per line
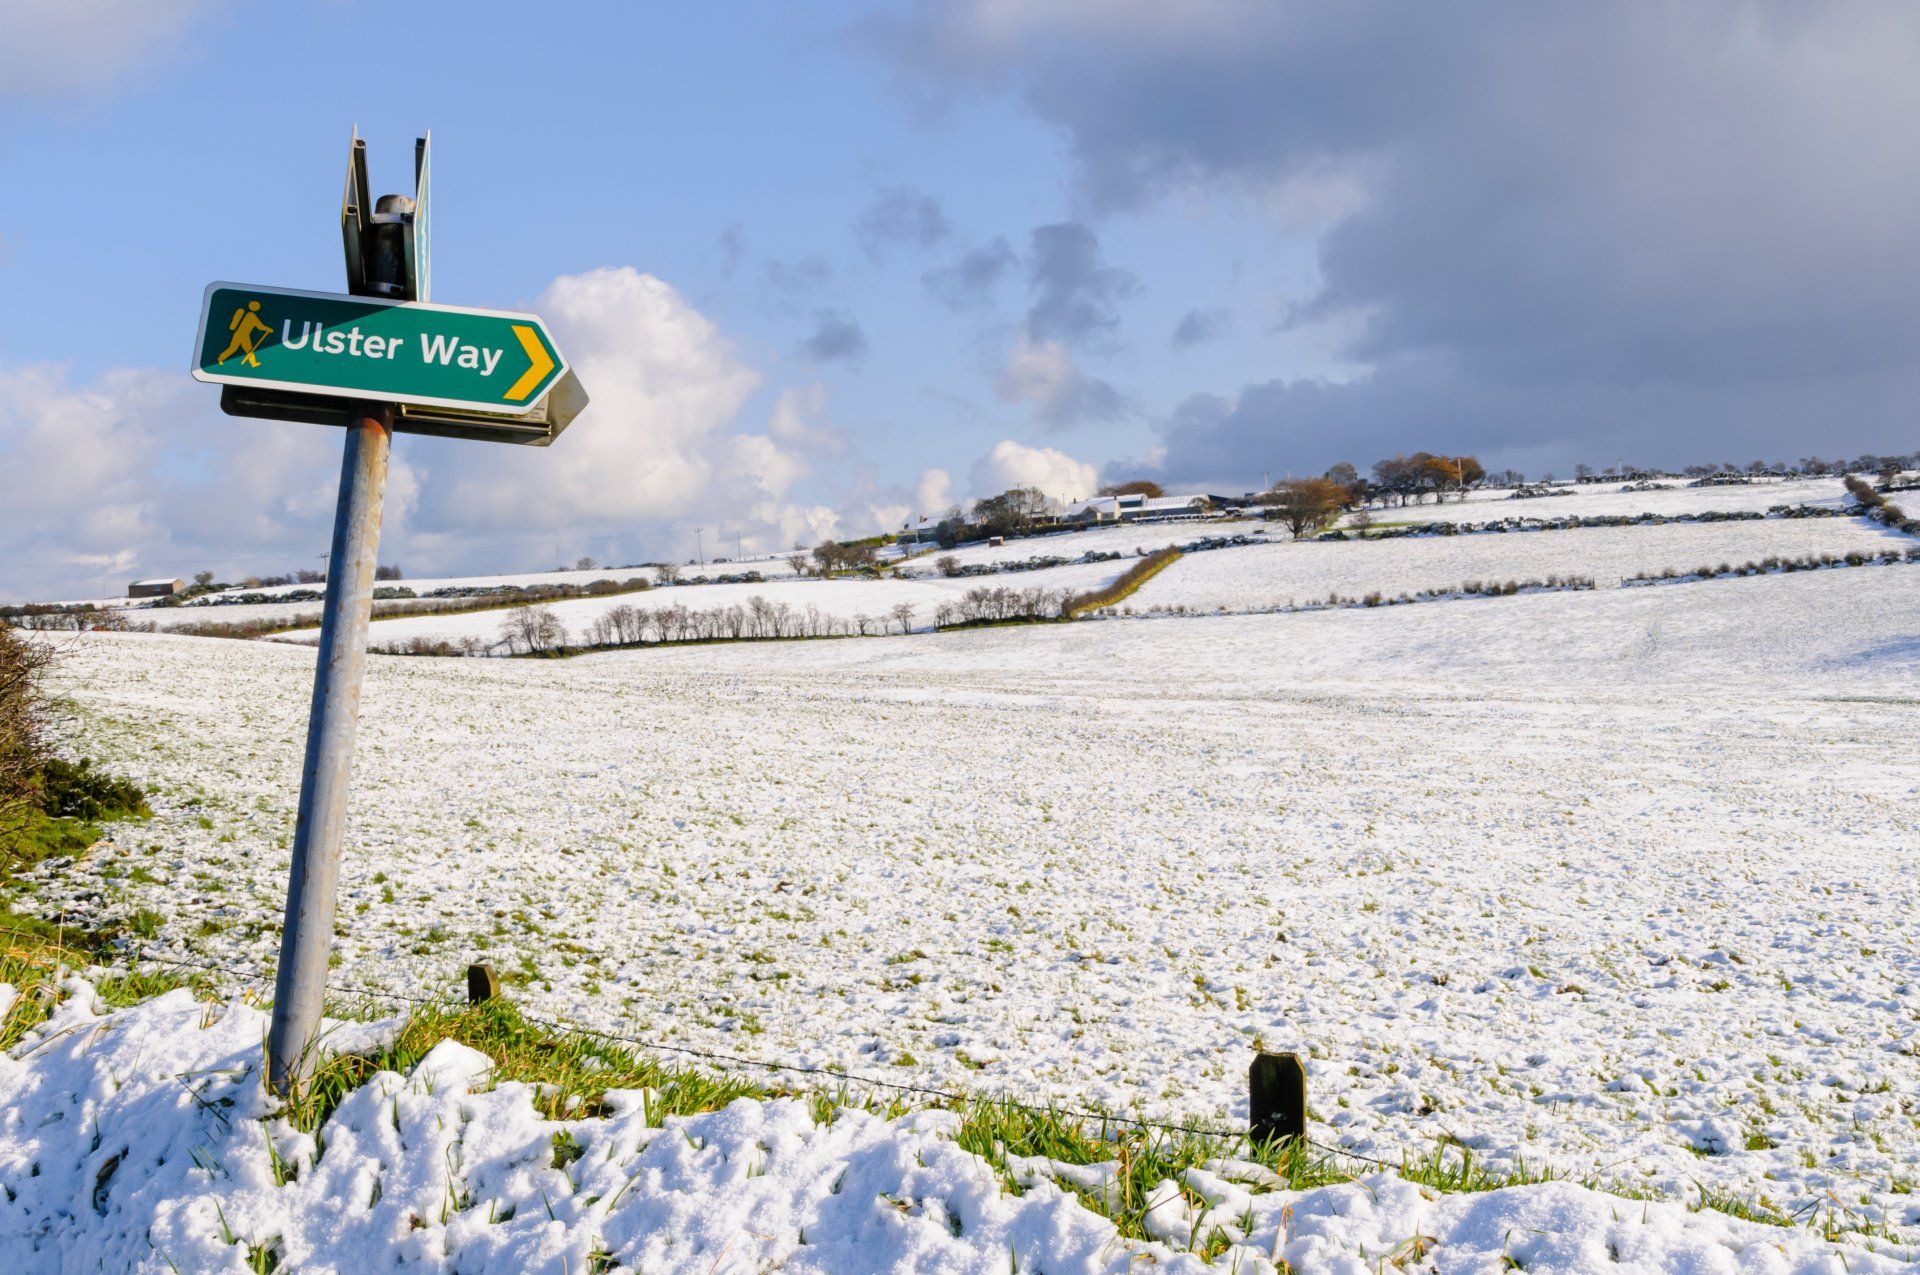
<point>969,282</point>
<point>1075,294</point>
<point>1574,230</point>
<point>901,218</point>
<point>1197,327</point>
<point>1427,401</point>
<point>51,50</point>
<point>733,249</point>
<point>799,278</point>
<point>1060,394</point>
<point>1082,400</point>
<point>836,337</point>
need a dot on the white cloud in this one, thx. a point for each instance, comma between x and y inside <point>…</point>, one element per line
<point>798,419</point>
<point>1042,374</point>
<point>934,492</point>
<point>138,472</point>
<point>1010,464</point>
<point>665,385</point>
<point>54,47</point>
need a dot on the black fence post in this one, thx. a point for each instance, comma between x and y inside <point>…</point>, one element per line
<point>1276,1097</point>
<point>482,984</point>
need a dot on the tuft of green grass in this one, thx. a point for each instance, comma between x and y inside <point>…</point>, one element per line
<point>574,1070</point>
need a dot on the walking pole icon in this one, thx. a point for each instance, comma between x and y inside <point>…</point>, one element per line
<point>247,330</point>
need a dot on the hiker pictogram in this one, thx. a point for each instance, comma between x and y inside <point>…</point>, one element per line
<point>247,330</point>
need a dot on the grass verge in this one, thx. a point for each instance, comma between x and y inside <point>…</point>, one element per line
<point>572,1073</point>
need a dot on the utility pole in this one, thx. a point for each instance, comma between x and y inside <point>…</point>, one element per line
<point>738,552</point>
<point>699,546</point>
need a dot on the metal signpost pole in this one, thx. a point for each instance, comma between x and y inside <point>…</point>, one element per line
<point>377,358</point>
<point>306,936</point>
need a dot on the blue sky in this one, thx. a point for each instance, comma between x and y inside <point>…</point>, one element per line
<point>1369,233</point>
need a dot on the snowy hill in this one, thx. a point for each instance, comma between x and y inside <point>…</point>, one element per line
<point>1610,882</point>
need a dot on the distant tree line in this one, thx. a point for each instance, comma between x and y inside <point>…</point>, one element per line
<point>1306,505</point>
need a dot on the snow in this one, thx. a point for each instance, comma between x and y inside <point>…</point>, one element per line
<point>164,619</point>
<point>1612,883</point>
<point>167,619</point>
<point>100,604</point>
<point>140,1140</point>
<point>843,599</point>
<point>1265,577</point>
<point>1595,500</point>
<point>1128,539</point>
<point>1566,877</point>
<point>772,567</point>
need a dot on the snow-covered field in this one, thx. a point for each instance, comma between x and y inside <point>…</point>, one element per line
<point>773,568</point>
<point>185,1169</point>
<point>1596,500</point>
<point>166,619</point>
<point>1263,577</point>
<point>1245,578</point>
<point>1613,882</point>
<point>840,599</point>
<point>1129,539</point>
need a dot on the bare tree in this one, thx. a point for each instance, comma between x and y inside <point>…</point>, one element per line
<point>666,573</point>
<point>1014,509</point>
<point>798,563</point>
<point>832,556</point>
<point>947,565</point>
<point>902,614</point>
<point>627,624</point>
<point>1138,487</point>
<point>533,629</point>
<point>1306,504</point>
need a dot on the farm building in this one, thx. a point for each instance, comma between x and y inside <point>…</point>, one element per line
<point>154,588</point>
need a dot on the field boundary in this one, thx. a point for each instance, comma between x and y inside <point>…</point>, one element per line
<point>1449,1167</point>
<point>1125,587</point>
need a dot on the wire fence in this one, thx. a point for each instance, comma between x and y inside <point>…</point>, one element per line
<point>958,1097</point>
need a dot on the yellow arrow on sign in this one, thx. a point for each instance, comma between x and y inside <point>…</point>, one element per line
<point>530,342</point>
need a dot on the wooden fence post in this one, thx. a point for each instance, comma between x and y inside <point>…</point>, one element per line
<point>482,984</point>
<point>1276,1097</point>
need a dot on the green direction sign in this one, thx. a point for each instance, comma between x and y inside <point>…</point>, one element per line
<point>359,347</point>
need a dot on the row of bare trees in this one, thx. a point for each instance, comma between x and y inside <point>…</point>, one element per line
<point>1306,505</point>
<point>998,604</point>
<point>537,630</point>
<point>1411,479</point>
